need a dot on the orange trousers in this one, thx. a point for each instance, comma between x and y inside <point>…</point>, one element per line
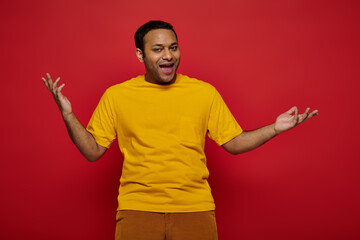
<point>140,225</point>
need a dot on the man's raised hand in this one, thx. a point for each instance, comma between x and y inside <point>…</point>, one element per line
<point>291,119</point>
<point>62,102</point>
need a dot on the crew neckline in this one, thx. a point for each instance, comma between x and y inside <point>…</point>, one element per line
<point>178,79</point>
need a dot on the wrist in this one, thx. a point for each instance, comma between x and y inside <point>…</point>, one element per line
<point>66,115</point>
<point>275,131</point>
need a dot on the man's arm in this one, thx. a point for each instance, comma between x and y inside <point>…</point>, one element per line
<point>249,140</point>
<point>82,139</point>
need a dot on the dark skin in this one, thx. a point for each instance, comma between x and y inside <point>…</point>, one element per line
<point>161,49</point>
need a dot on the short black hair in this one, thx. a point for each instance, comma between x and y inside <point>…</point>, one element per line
<point>147,27</point>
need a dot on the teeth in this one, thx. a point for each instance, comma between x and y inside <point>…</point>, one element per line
<point>167,65</point>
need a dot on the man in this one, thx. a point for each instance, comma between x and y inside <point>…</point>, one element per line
<point>161,119</point>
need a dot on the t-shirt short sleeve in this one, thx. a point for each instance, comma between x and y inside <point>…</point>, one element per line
<point>101,124</point>
<point>222,126</point>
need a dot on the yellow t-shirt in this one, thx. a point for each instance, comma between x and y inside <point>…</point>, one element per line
<point>161,133</point>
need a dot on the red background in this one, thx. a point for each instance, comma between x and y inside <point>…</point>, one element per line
<point>262,56</point>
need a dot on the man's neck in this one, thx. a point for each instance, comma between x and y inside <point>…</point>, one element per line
<point>150,79</point>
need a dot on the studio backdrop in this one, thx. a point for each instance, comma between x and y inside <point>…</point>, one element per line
<point>263,57</point>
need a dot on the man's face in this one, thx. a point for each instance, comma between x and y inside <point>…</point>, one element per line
<point>162,56</point>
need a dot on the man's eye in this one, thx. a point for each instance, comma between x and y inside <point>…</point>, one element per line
<point>157,49</point>
<point>174,48</point>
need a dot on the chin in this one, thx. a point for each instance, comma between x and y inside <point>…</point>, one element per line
<point>169,80</point>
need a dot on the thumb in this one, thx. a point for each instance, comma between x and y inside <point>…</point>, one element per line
<point>292,110</point>
<point>58,90</point>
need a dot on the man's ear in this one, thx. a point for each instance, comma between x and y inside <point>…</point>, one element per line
<point>140,55</point>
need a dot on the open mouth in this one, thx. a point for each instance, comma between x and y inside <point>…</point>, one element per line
<point>167,68</point>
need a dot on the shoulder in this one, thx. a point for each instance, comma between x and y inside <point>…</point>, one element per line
<point>194,82</point>
<point>124,86</point>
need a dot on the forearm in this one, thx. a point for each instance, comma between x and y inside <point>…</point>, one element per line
<point>249,140</point>
<point>82,139</point>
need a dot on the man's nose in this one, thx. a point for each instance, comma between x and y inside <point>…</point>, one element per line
<point>167,55</point>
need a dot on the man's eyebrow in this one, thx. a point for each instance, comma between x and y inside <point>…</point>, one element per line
<point>161,45</point>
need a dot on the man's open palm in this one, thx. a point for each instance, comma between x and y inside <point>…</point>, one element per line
<point>62,101</point>
<point>291,119</point>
